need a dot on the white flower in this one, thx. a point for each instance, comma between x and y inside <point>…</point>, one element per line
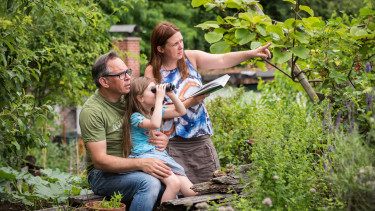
<point>312,190</point>
<point>267,201</point>
<point>275,177</point>
<point>225,209</point>
<point>361,170</point>
<point>189,203</point>
<point>202,206</point>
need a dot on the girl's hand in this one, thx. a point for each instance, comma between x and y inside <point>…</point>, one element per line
<point>160,91</point>
<point>170,93</point>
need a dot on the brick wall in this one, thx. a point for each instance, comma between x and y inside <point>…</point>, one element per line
<point>131,52</point>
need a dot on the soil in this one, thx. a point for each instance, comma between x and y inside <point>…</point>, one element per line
<point>6,205</point>
<point>9,206</point>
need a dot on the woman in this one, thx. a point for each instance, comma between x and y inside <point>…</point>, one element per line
<point>190,143</point>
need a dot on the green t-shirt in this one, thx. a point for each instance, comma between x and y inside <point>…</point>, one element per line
<point>102,120</point>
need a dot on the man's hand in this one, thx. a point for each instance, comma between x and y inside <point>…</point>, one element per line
<point>159,139</point>
<point>155,167</point>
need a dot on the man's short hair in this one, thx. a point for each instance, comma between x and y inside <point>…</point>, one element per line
<point>101,68</point>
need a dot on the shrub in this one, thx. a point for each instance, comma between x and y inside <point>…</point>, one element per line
<point>287,153</point>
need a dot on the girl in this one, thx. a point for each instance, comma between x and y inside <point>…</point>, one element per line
<point>143,115</point>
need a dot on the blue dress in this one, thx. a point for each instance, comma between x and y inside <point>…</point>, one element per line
<point>143,149</point>
<point>196,121</point>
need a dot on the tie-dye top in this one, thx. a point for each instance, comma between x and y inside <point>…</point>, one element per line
<point>196,121</point>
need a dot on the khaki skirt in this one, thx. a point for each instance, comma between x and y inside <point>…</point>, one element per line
<point>197,156</point>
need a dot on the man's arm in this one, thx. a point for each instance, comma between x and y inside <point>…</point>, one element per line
<point>105,162</point>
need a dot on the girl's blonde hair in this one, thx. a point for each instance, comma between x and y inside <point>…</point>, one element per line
<point>137,88</point>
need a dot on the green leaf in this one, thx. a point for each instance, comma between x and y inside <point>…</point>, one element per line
<point>291,1</point>
<point>51,190</point>
<point>255,45</point>
<point>371,26</point>
<point>281,57</point>
<point>235,4</point>
<point>197,3</point>
<point>76,191</point>
<point>220,47</point>
<point>208,24</point>
<point>247,16</point>
<point>9,45</point>
<point>220,19</point>
<point>302,37</point>
<point>21,78</point>
<point>312,20</point>
<point>212,37</point>
<point>307,9</point>
<point>290,23</point>
<point>337,77</point>
<point>276,29</point>
<point>209,6</point>
<point>244,36</point>
<point>261,30</point>
<point>21,125</point>
<point>4,60</point>
<point>261,65</point>
<point>16,144</point>
<point>366,12</point>
<point>356,31</point>
<point>7,173</point>
<point>300,51</point>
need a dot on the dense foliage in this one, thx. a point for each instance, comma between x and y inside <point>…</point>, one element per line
<point>301,160</point>
<point>339,52</point>
<point>47,49</point>
<point>302,156</point>
<point>305,155</point>
<point>34,191</point>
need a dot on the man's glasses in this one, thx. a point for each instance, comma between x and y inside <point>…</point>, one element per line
<point>121,75</point>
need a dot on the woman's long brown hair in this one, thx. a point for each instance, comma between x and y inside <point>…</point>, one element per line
<point>159,36</point>
<point>138,86</point>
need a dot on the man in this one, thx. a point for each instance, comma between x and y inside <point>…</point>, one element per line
<point>100,121</point>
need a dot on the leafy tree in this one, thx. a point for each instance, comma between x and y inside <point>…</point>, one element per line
<point>148,13</point>
<point>281,10</point>
<point>339,52</point>
<point>47,50</point>
<point>325,8</point>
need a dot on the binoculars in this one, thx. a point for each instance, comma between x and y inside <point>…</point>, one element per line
<point>169,87</point>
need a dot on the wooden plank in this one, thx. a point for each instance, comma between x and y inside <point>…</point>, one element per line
<point>188,203</point>
<point>83,199</point>
<point>210,187</point>
<point>61,208</point>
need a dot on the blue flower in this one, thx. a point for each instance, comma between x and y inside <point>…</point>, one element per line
<point>368,67</point>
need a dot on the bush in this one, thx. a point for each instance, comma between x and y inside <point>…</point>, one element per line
<point>287,153</point>
<point>350,171</point>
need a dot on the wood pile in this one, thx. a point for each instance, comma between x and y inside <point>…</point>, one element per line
<point>217,189</point>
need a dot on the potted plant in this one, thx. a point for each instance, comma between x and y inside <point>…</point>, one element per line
<point>114,204</point>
